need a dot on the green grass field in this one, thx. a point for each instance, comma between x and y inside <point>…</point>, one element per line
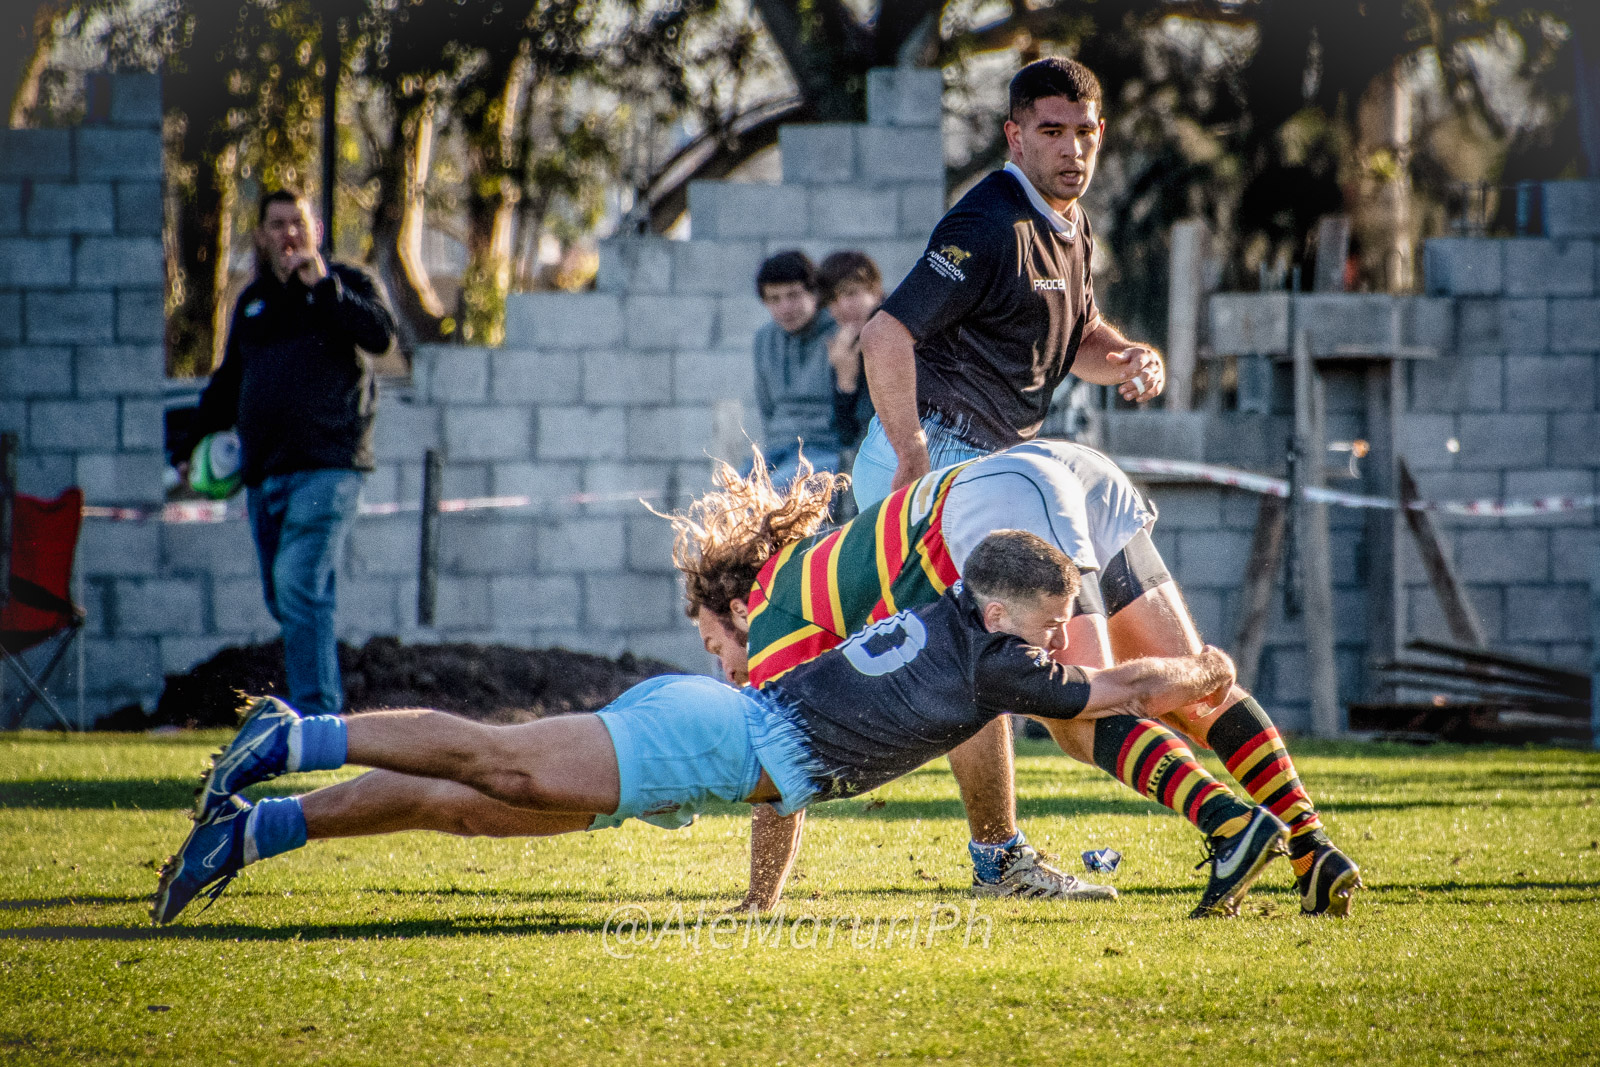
<point>1478,940</point>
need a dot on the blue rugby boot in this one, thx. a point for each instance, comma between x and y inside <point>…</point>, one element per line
<point>259,751</point>
<point>1237,861</point>
<point>212,854</point>
<point>1328,883</point>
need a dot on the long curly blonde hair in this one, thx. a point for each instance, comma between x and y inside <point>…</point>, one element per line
<point>726,536</point>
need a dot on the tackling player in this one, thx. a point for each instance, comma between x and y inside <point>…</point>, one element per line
<point>768,593</point>
<point>885,702</point>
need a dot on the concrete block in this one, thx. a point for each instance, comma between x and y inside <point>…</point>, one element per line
<point>1532,484</point>
<point>1459,485</point>
<point>462,604</point>
<point>37,155</point>
<point>10,318</point>
<point>1571,208</point>
<point>141,316</point>
<point>738,319</point>
<point>1480,325</point>
<point>628,378</point>
<point>36,372</point>
<point>550,484</point>
<point>119,370</point>
<point>1575,435</point>
<point>139,208</point>
<point>1502,441</point>
<point>1457,383</point>
<point>1547,612</point>
<point>216,550</point>
<point>35,261</point>
<point>10,208</point>
<point>850,212</point>
<point>650,546</point>
<point>900,154</point>
<point>13,417</point>
<point>118,549</point>
<point>1508,555</point>
<point>1168,434</point>
<point>1185,507</point>
<point>76,208</point>
<point>46,475</point>
<point>1575,325</point>
<point>153,607</point>
<point>706,377</point>
<point>1428,322</point>
<point>143,425</point>
<point>1525,324</point>
<point>117,154</point>
<point>490,544</point>
<point>1427,619</point>
<point>403,432</point>
<point>922,205</point>
<point>1550,383</point>
<point>69,318</point>
<point>905,96</point>
<point>678,647</point>
<point>460,480</point>
<point>746,209</point>
<point>452,374</point>
<point>1423,441</point>
<point>1212,559</point>
<point>635,265</point>
<point>130,666</point>
<point>895,258</point>
<point>180,655</point>
<point>818,152</point>
<point>563,320</point>
<point>669,432</point>
<point>1464,266</point>
<point>618,486</point>
<point>582,433</point>
<point>122,477</point>
<point>1538,266</point>
<point>716,267</point>
<point>1574,554</point>
<point>582,545</point>
<point>108,261</point>
<point>73,425</point>
<point>525,601</point>
<point>1249,323</point>
<point>629,601</point>
<point>518,376</point>
<point>371,606</point>
<point>487,433</point>
<point>386,546</point>
<point>1334,321</point>
<point>677,321</point>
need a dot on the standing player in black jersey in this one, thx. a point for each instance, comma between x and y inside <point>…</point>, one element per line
<point>965,354</point>
<point>901,692</point>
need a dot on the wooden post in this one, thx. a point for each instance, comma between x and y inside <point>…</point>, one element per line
<point>1266,555</point>
<point>1311,542</point>
<point>1458,612</point>
<point>1333,248</point>
<point>428,563</point>
<point>1185,293</point>
<point>1386,606</point>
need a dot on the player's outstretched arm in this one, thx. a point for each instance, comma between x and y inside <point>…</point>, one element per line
<point>1155,686</point>
<point>774,844</point>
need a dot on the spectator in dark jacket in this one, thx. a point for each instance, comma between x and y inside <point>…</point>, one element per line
<point>296,382</point>
<point>852,290</point>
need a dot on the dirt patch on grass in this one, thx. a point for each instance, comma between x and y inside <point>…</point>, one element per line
<point>493,683</point>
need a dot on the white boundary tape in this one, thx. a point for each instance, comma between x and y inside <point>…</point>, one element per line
<point>218,510</point>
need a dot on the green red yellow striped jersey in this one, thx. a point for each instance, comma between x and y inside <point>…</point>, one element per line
<point>823,588</point>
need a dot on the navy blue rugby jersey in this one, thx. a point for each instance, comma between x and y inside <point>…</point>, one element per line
<point>997,305</point>
<point>903,691</point>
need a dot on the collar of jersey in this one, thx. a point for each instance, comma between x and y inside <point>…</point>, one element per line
<point>1058,222</point>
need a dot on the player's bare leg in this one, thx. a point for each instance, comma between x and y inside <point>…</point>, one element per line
<point>385,802</point>
<point>1158,623</point>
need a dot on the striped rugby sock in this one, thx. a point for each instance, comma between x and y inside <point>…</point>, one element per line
<point>1156,763</point>
<point>1244,737</point>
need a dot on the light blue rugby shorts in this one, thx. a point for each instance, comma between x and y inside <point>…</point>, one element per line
<point>682,740</point>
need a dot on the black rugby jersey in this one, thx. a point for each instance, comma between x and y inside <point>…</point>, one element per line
<point>903,691</point>
<point>998,305</point>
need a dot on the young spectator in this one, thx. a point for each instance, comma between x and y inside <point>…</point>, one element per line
<point>852,289</point>
<point>795,380</point>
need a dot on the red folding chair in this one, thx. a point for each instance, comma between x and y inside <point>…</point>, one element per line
<point>37,616</point>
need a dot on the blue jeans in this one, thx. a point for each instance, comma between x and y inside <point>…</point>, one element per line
<point>784,461</point>
<point>876,461</point>
<point>300,522</point>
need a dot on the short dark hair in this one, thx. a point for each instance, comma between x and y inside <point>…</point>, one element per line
<point>1011,565</point>
<point>1053,76</point>
<point>846,267</point>
<point>278,196</point>
<point>790,265</point>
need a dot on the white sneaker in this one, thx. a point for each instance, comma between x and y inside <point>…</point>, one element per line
<point>1030,877</point>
